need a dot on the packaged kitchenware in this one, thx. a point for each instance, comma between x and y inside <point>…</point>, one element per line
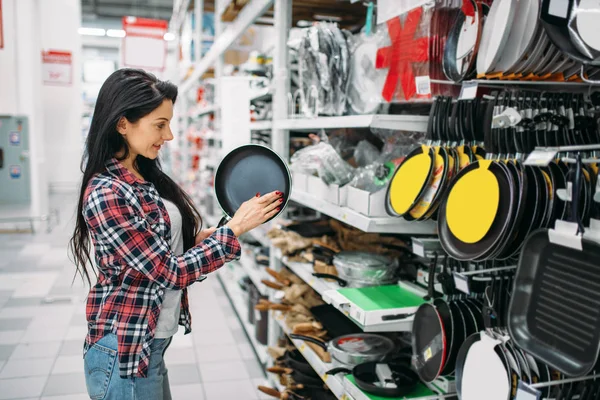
<point>321,159</point>
<point>364,267</point>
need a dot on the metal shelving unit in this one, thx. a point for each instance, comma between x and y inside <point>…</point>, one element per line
<point>362,222</point>
<point>228,278</point>
<point>334,382</point>
<point>412,123</point>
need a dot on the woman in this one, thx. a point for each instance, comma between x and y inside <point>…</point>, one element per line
<point>146,240</point>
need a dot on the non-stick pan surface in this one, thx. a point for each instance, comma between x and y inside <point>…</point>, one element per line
<point>555,308</point>
<point>248,170</point>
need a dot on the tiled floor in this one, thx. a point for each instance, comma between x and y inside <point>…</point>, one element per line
<point>42,328</point>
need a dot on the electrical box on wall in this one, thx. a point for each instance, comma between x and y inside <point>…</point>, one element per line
<point>15,171</point>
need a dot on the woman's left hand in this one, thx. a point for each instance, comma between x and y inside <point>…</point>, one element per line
<point>204,234</point>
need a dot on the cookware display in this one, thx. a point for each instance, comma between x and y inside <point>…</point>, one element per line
<point>493,204</point>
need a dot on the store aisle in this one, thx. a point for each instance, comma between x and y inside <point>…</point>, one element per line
<point>42,327</point>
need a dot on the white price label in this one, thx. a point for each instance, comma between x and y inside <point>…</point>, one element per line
<point>468,91</point>
<point>423,84</point>
<point>462,283</point>
<point>540,158</point>
<point>419,249</point>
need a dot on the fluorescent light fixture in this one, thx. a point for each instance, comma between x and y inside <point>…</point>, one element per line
<point>169,36</point>
<point>118,33</point>
<point>92,31</point>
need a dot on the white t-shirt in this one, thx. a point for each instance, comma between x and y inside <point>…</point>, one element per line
<point>168,319</point>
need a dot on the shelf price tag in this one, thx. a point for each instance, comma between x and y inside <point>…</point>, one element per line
<point>541,158</point>
<point>423,84</point>
<point>418,249</point>
<point>526,392</point>
<point>468,90</point>
<point>462,283</point>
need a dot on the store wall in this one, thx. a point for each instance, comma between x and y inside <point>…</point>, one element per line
<point>20,86</point>
<point>63,104</point>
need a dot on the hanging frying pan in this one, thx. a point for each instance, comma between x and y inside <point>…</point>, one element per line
<point>495,34</point>
<point>521,33</point>
<point>429,340</point>
<point>410,181</point>
<point>585,32</point>
<point>555,19</point>
<point>462,43</point>
<point>246,171</point>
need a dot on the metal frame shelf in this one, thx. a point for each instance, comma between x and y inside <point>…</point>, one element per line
<point>412,123</point>
<point>234,294</point>
<point>334,382</point>
<point>362,222</point>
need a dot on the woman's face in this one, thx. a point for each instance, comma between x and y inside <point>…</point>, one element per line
<point>146,136</point>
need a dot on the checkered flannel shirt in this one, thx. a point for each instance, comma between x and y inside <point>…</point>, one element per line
<point>130,231</point>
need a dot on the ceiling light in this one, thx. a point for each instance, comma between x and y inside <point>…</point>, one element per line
<point>169,36</point>
<point>92,31</point>
<point>118,33</point>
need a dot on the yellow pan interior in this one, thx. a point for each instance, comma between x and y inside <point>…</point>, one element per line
<point>408,182</point>
<point>473,203</point>
<point>432,188</point>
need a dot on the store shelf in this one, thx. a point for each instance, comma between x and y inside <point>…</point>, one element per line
<point>334,382</point>
<point>329,292</point>
<point>255,273</point>
<point>261,125</point>
<point>204,111</point>
<point>260,235</point>
<point>228,278</point>
<point>261,95</point>
<point>411,123</point>
<point>362,222</point>
<point>251,12</point>
<point>304,272</point>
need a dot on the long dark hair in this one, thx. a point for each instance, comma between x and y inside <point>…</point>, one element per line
<point>129,93</point>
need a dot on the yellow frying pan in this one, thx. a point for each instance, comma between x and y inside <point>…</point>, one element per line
<point>410,181</point>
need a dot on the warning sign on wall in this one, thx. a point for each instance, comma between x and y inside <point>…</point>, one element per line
<point>57,67</point>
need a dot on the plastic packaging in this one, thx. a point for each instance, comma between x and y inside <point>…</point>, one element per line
<point>323,61</point>
<point>406,56</point>
<point>365,267</point>
<point>322,159</point>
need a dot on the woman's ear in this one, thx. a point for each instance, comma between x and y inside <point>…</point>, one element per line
<point>122,126</point>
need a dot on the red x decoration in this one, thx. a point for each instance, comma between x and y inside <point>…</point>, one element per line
<point>404,51</point>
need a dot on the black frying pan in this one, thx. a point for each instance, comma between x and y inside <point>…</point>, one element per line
<point>246,171</point>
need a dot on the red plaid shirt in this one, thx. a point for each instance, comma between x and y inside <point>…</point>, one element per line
<point>130,231</point>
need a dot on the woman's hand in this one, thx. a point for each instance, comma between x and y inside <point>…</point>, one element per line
<point>255,212</point>
<point>204,234</point>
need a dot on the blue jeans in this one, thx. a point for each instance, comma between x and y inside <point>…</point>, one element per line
<point>102,373</point>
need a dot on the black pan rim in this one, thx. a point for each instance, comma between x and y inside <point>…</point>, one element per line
<point>240,148</point>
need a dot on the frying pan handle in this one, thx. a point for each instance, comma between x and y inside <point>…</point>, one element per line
<point>223,221</point>
<point>340,281</point>
<point>338,370</point>
<point>318,342</point>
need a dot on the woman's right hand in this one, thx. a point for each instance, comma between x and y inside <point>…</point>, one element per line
<point>255,212</point>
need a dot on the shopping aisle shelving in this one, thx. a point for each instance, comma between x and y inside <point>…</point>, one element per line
<point>228,277</point>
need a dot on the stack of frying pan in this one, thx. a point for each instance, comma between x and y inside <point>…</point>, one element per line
<point>523,39</point>
<point>419,184</point>
<point>493,204</point>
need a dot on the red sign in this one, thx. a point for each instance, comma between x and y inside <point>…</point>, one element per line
<point>1,31</point>
<point>144,45</point>
<point>57,67</point>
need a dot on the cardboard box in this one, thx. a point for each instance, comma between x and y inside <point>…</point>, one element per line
<point>321,190</point>
<point>299,181</point>
<point>366,203</point>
